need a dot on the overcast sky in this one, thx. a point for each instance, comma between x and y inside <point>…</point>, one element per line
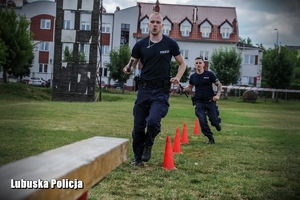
<point>257,18</point>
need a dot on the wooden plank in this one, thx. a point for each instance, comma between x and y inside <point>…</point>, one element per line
<point>87,162</point>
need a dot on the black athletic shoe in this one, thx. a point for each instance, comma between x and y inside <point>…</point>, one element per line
<point>218,127</point>
<point>211,141</point>
<point>137,163</point>
<point>147,153</point>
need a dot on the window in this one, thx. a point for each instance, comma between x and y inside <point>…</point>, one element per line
<point>247,80</point>
<point>185,54</point>
<point>124,33</point>
<point>204,55</point>
<point>69,45</point>
<point>67,24</point>
<point>86,26</point>
<point>205,31</point>
<point>185,30</point>
<point>105,72</point>
<point>45,23</point>
<point>105,50</point>
<point>67,51</point>
<point>145,29</point>
<point>105,28</point>
<point>44,46</point>
<point>225,32</point>
<point>249,59</point>
<point>251,80</point>
<point>86,49</point>
<point>43,68</point>
<point>166,29</point>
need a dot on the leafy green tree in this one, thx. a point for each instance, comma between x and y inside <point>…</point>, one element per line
<point>68,55</point>
<point>296,83</point>
<point>226,63</point>
<point>261,46</point>
<point>245,40</point>
<point>278,68</point>
<point>174,70</point>
<point>119,57</point>
<point>3,53</point>
<point>17,39</point>
<point>249,42</point>
<point>25,70</point>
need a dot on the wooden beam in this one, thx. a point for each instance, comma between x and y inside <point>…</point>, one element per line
<point>81,164</point>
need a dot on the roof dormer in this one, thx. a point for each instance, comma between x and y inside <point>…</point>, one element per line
<point>167,26</point>
<point>206,28</point>
<point>185,27</point>
<point>226,29</point>
<point>144,25</point>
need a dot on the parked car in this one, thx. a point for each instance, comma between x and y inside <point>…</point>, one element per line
<point>37,81</point>
<point>119,86</point>
<point>12,79</point>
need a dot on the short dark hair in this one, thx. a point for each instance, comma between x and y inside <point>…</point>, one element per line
<point>200,57</point>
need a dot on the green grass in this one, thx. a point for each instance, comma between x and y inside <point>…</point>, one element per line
<point>256,155</point>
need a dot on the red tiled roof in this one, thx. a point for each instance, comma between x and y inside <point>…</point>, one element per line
<point>177,13</point>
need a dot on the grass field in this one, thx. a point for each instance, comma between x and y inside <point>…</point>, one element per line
<point>256,155</point>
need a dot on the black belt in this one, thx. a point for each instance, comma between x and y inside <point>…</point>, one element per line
<point>205,100</point>
<point>158,83</point>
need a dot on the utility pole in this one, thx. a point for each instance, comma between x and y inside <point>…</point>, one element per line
<point>273,93</point>
<point>277,37</point>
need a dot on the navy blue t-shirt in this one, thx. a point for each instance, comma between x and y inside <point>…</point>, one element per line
<point>203,84</point>
<point>156,57</point>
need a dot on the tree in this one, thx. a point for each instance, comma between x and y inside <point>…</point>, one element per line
<point>249,42</point>
<point>261,46</point>
<point>174,70</point>
<point>68,55</point>
<point>226,63</point>
<point>25,70</point>
<point>3,53</point>
<point>296,83</point>
<point>245,41</point>
<point>278,68</point>
<point>119,57</point>
<point>17,39</point>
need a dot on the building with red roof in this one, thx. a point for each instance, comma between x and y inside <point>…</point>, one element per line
<point>198,29</point>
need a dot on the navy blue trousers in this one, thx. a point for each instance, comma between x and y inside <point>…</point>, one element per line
<point>203,110</point>
<point>151,105</point>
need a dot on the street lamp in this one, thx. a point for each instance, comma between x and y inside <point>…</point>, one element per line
<point>277,36</point>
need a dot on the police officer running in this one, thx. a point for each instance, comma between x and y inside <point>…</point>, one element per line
<point>152,103</point>
<point>205,98</point>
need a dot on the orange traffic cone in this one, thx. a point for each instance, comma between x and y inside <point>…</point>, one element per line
<point>177,145</point>
<point>168,158</point>
<point>196,127</point>
<point>184,139</point>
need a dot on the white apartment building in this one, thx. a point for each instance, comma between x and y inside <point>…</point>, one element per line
<point>197,29</point>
